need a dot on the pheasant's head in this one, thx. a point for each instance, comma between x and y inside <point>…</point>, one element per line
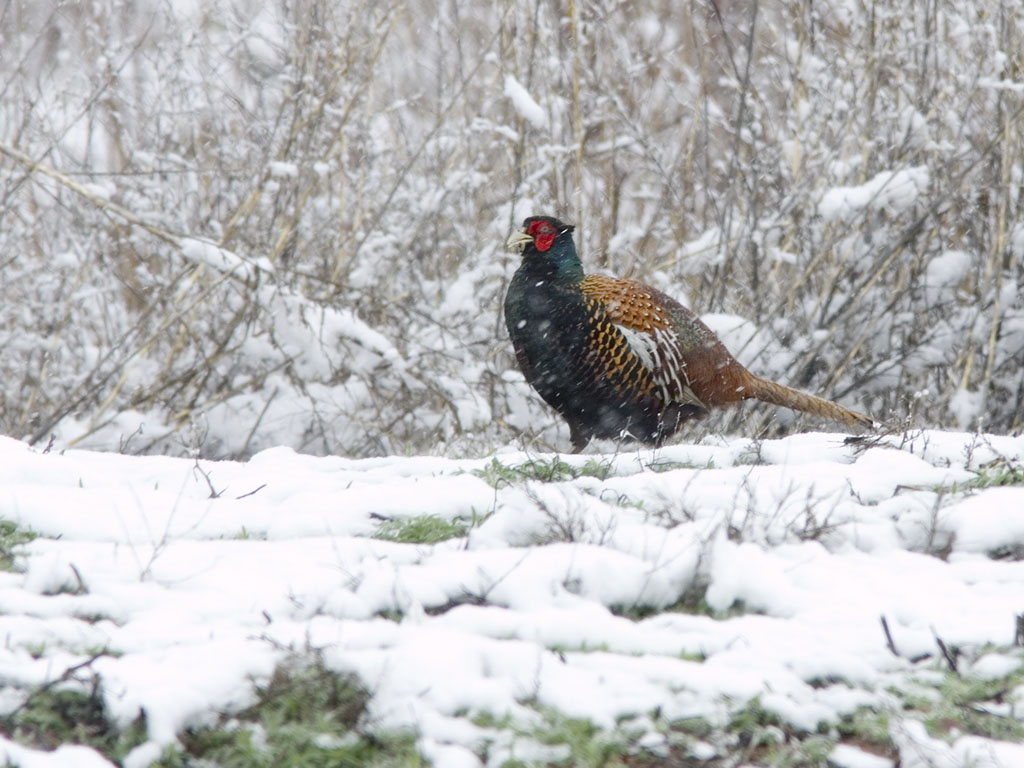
<point>541,232</point>
<point>547,248</point>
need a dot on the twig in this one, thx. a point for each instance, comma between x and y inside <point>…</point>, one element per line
<point>82,588</point>
<point>214,493</point>
<point>253,492</point>
<point>949,655</point>
<point>888,637</point>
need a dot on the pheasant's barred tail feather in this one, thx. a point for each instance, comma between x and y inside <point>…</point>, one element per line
<point>779,394</point>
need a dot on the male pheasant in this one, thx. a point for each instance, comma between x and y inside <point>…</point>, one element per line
<point>619,359</point>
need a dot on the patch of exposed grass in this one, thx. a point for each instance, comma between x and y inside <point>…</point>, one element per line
<point>755,723</point>
<point>693,601</point>
<point>572,741</point>
<point>52,716</point>
<point>553,470</point>
<point>753,736</point>
<point>669,466</point>
<point>995,474</point>
<point>305,717</point>
<point>966,705</point>
<point>949,705</point>
<point>867,727</point>
<point>11,537</point>
<point>999,473</point>
<point>420,529</point>
<point>582,647</point>
<point>762,737</point>
<point>588,745</point>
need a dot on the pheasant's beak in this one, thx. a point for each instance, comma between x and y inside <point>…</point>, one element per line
<point>518,240</point>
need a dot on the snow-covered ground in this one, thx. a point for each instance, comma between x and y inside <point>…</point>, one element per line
<point>688,582</point>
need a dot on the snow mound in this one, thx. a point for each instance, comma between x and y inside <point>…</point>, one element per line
<point>693,582</point>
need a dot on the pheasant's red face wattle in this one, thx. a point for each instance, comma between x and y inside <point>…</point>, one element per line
<point>543,234</point>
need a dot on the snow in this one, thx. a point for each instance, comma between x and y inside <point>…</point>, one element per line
<point>993,666</point>
<point>204,252</point>
<point>66,755</point>
<point>846,756</point>
<point>992,518</point>
<point>524,104</point>
<point>919,750</point>
<point>703,252</point>
<point>944,272</point>
<point>198,576</point>
<point>967,407</point>
<point>889,190</point>
<point>1017,241</point>
<point>281,170</point>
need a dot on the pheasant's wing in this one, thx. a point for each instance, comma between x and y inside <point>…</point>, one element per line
<point>634,339</point>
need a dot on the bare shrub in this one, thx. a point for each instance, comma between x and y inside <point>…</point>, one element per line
<point>266,224</point>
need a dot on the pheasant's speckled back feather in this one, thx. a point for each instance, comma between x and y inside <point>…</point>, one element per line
<point>650,331</point>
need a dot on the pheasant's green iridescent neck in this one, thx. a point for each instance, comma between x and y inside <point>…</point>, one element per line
<point>560,260</point>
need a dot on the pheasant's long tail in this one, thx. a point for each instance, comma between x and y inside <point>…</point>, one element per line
<point>779,394</point>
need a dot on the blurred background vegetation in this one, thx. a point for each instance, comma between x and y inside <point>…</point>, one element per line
<point>231,225</point>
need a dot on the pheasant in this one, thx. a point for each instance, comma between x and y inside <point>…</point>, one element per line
<point>619,359</point>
